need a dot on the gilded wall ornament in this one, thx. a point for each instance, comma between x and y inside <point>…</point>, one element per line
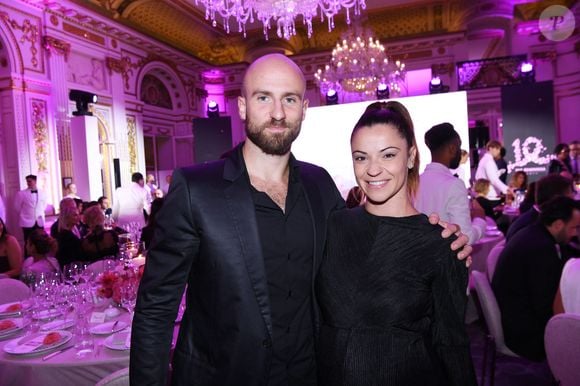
<point>132,142</point>
<point>56,46</point>
<point>29,34</point>
<point>40,133</point>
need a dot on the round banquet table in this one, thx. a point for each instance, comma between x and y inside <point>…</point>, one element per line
<point>64,369</point>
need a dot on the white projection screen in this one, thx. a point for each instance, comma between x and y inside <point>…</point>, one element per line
<point>325,136</point>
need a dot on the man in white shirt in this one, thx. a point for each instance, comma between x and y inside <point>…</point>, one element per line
<point>440,191</point>
<point>30,204</point>
<point>488,170</point>
<point>130,202</point>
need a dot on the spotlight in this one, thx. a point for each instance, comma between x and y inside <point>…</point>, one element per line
<point>527,73</point>
<point>82,99</point>
<point>213,109</point>
<point>382,91</point>
<point>436,86</point>
<point>331,97</point>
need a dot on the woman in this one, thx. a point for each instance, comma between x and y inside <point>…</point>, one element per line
<point>68,237</point>
<point>391,292</point>
<point>10,253</point>
<point>98,243</point>
<point>561,164</point>
<point>40,246</point>
<point>481,188</point>
<point>519,181</point>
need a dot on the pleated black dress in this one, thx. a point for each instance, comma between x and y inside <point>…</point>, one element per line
<point>392,296</point>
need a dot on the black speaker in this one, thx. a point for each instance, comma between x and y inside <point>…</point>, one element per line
<point>212,137</point>
<point>117,169</point>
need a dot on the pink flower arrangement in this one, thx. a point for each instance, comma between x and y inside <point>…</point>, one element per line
<point>112,282</point>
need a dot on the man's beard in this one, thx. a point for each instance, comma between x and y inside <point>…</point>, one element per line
<point>454,164</point>
<point>273,143</point>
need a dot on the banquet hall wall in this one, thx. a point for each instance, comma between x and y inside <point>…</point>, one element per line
<point>149,92</point>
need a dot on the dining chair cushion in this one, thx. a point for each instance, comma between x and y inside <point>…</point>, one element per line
<point>562,342</point>
<point>12,290</point>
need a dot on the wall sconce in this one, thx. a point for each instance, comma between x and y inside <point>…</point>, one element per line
<point>527,72</point>
<point>213,109</point>
<point>82,99</point>
<point>436,86</point>
<point>331,97</point>
<point>382,91</point>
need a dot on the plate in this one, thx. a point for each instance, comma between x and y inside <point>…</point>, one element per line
<point>108,328</point>
<point>19,325</point>
<point>32,344</point>
<point>47,314</point>
<point>58,324</point>
<point>5,312</point>
<point>493,233</point>
<point>118,341</point>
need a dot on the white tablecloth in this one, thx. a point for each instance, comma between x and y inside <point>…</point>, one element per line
<point>65,369</point>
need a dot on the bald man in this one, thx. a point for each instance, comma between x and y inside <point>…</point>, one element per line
<point>246,234</point>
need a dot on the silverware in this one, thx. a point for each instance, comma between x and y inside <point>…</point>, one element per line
<point>47,357</point>
<point>114,325</point>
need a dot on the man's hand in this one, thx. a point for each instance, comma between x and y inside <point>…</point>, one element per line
<point>460,243</point>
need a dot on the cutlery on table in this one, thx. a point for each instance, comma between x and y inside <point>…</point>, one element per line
<point>114,325</point>
<point>47,357</point>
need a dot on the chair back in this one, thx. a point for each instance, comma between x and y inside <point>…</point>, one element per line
<point>12,290</point>
<point>118,378</point>
<point>492,259</point>
<point>570,286</point>
<point>562,341</point>
<point>491,311</point>
<point>100,266</point>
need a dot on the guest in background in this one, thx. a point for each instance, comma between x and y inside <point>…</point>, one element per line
<point>487,169</point>
<point>575,158</point>
<point>462,172</point>
<point>548,187</point>
<point>529,198</point>
<point>519,181</point>
<point>391,292</point>
<point>98,243</point>
<point>71,191</point>
<point>482,188</point>
<point>10,253</point>
<point>442,193</point>
<point>150,187</point>
<point>30,204</point>
<point>68,238</point>
<point>561,164</point>
<point>528,273</point>
<point>158,193</point>
<point>502,165</point>
<point>41,248</point>
<point>148,230</point>
<point>167,182</point>
<point>64,203</point>
<point>130,202</point>
<point>355,197</point>
<point>2,207</point>
<point>104,204</point>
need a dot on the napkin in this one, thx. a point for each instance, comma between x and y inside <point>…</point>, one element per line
<point>30,345</point>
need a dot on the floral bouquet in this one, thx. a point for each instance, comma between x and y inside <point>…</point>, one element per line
<point>111,283</point>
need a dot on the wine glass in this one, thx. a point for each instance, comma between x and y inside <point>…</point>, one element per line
<point>129,296</point>
<point>71,273</point>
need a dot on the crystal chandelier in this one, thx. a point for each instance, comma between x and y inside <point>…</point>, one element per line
<point>359,64</point>
<point>281,12</point>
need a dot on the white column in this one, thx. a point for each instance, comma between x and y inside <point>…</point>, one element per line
<point>86,157</point>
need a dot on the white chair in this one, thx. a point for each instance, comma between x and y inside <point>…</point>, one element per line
<point>12,290</point>
<point>492,316</point>
<point>118,378</point>
<point>492,258</point>
<point>562,342</point>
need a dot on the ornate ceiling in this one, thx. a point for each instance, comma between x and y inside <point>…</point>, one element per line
<point>179,23</point>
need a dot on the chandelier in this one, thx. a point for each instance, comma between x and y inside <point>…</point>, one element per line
<point>359,65</point>
<point>283,13</point>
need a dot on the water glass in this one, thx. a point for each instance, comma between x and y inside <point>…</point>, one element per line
<point>84,341</point>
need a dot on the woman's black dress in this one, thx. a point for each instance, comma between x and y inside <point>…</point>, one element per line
<point>392,296</point>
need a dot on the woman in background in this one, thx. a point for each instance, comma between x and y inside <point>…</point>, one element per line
<point>392,293</point>
<point>41,248</point>
<point>561,164</point>
<point>99,242</point>
<point>519,181</point>
<point>10,253</point>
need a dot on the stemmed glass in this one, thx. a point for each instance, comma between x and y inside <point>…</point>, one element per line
<point>72,273</point>
<point>129,296</point>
